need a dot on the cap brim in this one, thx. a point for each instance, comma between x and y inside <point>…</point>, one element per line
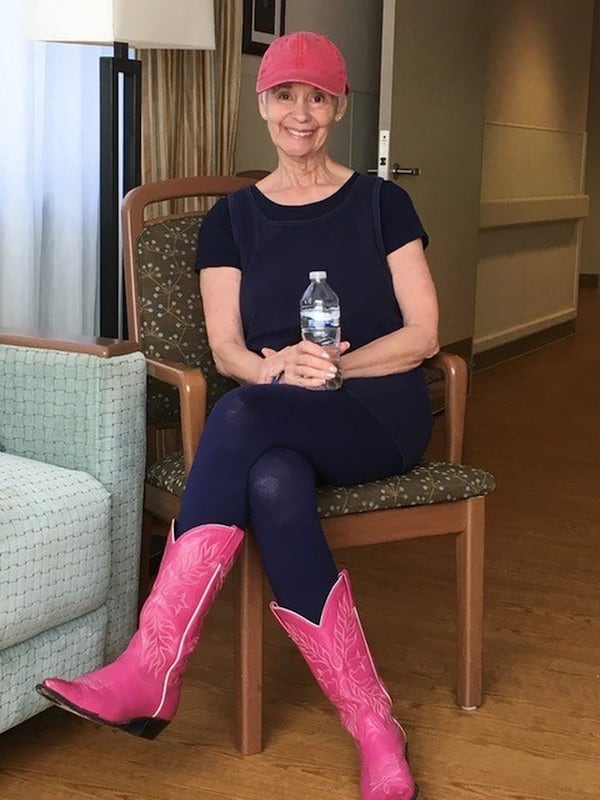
<point>300,77</point>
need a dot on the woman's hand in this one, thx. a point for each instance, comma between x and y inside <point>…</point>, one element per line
<point>304,364</point>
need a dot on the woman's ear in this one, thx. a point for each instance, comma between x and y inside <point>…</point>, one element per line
<point>262,106</point>
<point>342,106</point>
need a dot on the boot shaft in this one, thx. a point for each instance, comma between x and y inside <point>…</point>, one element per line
<point>191,574</point>
<point>337,653</point>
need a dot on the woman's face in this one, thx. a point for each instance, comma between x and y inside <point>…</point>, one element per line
<point>299,117</point>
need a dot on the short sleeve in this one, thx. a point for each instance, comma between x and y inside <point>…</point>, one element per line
<point>400,222</point>
<point>216,247</point>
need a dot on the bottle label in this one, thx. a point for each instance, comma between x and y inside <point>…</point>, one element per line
<point>318,318</point>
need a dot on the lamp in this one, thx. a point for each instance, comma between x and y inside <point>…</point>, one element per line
<point>168,24</point>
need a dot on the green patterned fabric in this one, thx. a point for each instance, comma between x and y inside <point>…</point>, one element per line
<point>82,412</point>
<point>430,482</point>
<point>71,488</point>
<point>172,322</point>
<point>69,650</point>
<point>59,520</point>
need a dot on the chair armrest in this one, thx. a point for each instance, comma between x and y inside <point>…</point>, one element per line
<point>91,345</point>
<point>191,385</point>
<point>454,369</point>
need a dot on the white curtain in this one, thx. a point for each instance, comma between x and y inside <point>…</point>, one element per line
<point>48,181</point>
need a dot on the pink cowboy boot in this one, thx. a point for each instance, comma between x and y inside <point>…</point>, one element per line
<point>139,692</point>
<point>337,653</point>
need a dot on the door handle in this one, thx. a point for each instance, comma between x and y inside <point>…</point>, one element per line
<point>397,171</point>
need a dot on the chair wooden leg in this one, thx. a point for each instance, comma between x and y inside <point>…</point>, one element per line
<point>469,583</point>
<point>249,648</point>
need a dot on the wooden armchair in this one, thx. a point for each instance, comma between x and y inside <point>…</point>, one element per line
<point>435,498</point>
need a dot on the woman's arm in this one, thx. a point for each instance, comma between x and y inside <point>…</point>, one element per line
<point>406,348</point>
<point>303,364</point>
<point>220,290</point>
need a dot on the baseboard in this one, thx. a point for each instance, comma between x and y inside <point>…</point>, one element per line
<point>589,281</point>
<point>520,347</point>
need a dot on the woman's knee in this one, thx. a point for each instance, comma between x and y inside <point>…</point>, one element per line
<point>277,475</point>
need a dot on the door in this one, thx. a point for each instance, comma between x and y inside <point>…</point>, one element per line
<point>433,63</point>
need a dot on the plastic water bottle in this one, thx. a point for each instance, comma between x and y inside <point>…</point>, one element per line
<point>320,320</point>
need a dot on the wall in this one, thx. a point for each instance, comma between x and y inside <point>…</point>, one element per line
<point>533,198</point>
<point>590,254</point>
<point>533,165</point>
<point>439,52</point>
<point>355,26</point>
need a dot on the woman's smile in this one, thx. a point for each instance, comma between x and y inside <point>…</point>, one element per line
<point>300,134</point>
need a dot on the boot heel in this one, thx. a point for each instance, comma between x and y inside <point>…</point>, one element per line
<point>145,727</point>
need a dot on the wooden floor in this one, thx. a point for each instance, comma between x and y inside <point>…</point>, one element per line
<point>533,422</point>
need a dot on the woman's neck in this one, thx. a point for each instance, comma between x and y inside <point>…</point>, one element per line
<point>300,181</point>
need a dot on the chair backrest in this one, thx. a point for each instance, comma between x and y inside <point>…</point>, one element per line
<point>164,310</point>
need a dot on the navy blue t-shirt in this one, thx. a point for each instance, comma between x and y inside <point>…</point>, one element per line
<point>349,235</point>
<point>399,222</point>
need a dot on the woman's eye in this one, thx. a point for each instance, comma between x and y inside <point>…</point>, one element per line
<point>283,96</point>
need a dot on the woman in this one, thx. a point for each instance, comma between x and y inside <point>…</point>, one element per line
<point>269,442</point>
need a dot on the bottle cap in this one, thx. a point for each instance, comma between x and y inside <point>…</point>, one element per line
<point>319,275</point>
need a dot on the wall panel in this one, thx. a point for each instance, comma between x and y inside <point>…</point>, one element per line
<point>533,168</point>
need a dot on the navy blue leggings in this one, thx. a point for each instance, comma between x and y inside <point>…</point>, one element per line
<point>263,451</point>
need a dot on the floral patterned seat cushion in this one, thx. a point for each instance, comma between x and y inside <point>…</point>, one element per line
<point>428,483</point>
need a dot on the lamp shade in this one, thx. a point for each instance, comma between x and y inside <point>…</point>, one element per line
<point>172,24</point>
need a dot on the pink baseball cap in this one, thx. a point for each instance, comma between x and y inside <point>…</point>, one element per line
<point>303,57</point>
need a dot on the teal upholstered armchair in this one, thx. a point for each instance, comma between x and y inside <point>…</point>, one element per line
<point>72,452</point>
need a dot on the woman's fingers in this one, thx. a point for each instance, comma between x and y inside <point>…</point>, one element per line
<point>310,370</point>
<point>312,365</point>
<point>304,364</point>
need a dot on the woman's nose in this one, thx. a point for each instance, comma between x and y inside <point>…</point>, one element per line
<point>301,109</point>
